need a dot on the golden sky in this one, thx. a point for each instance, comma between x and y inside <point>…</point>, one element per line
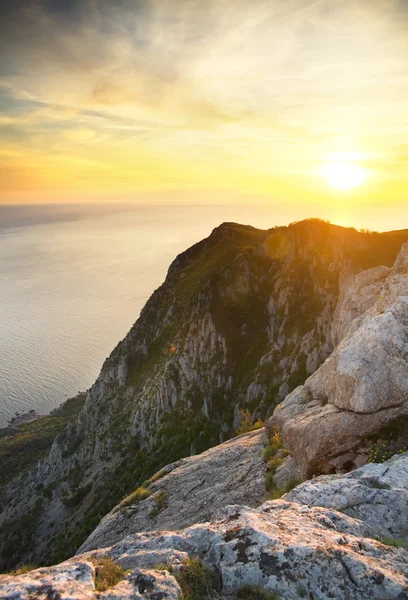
<point>203,100</point>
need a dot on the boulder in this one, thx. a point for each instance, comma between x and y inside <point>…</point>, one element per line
<point>363,386</point>
<point>376,494</point>
<point>287,474</point>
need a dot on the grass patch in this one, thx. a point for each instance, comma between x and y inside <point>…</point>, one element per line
<point>161,503</point>
<point>155,477</point>
<point>24,569</point>
<point>255,592</point>
<point>273,444</point>
<point>107,574</point>
<point>394,542</point>
<point>135,497</point>
<point>197,581</point>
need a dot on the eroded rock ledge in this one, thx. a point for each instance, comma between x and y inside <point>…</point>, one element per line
<point>296,551</point>
<point>195,487</point>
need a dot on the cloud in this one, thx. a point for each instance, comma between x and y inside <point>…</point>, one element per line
<point>273,85</point>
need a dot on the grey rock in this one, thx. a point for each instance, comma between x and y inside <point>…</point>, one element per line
<point>363,386</point>
<point>197,486</point>
<point>283,547</point>
<point>287,474</point>
<point>376,494</point>
<point>73,579</point>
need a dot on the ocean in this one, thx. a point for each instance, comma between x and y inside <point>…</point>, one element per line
<point>73,279</point>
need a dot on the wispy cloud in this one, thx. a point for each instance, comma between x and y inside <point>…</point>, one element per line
<point>197,87</point>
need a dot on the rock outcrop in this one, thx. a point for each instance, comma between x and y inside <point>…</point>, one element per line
<point>195,488</point>
<point>376,494</point>
<point>293,550</point>
<point>361,390</point>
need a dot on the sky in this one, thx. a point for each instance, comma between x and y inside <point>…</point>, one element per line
<point>205,101</point>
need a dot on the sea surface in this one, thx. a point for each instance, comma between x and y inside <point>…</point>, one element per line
<point>73,279</point>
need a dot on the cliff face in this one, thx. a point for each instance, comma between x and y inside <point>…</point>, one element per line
<point>242,319</point>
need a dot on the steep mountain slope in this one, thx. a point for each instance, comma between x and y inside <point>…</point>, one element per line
<point>243,317</point>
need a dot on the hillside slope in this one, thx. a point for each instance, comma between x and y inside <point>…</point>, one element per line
<point>242,318</point>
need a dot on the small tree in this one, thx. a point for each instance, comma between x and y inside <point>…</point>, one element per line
<point>246,422</point>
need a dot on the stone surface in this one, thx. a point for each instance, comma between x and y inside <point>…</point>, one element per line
<point>296,551</point>
<point>145,585</point>
<point>287,474</point>
<point>363,386</point>
<point>196,487</point>
<point>72,580</point>
<point>377,494</point>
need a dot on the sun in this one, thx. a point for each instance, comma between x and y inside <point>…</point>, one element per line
<point>343,175</point>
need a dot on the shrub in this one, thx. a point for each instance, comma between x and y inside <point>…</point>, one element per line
<point>255,592</point>
<point>246,422</point>
<point>379,453</point>
<point>197,582</point>
<point>77,497</point>
<point>24,569</point>
<point>161,502</point>
<point>273,461</point>
<point>394,542</point>
<point>137,496</point>
<point>155,477</point>
<point>107,574</point>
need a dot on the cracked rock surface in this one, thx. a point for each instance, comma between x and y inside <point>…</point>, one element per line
<point>377,494</point>
<point>197,486</point>
<point>286,548</point>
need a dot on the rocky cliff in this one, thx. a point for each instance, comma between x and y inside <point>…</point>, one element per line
<point>242,319</point>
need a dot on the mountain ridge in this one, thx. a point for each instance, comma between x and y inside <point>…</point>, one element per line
<point>242,318</point>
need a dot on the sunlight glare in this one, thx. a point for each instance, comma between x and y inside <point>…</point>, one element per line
<point>344,176</point>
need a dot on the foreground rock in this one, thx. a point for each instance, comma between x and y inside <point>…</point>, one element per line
<point>294,550</point>
<point>75,580</point>
<point>377,494</point>
<point>195,487</point>
<point>362,388</point>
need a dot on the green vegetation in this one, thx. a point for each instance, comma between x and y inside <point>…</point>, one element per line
<point>77,497</point>
<point>197,581</point>
<point>380,453</point>
<point>161,503</point>
<point>255,592</point>
<point>274,455</point>
<point>394,542</point>
<point>155,477</point>
<point>246,422</point>
<point>135,497</point>
<point>107,574</point>
<point>26,444</point>
<point>24,569</point>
